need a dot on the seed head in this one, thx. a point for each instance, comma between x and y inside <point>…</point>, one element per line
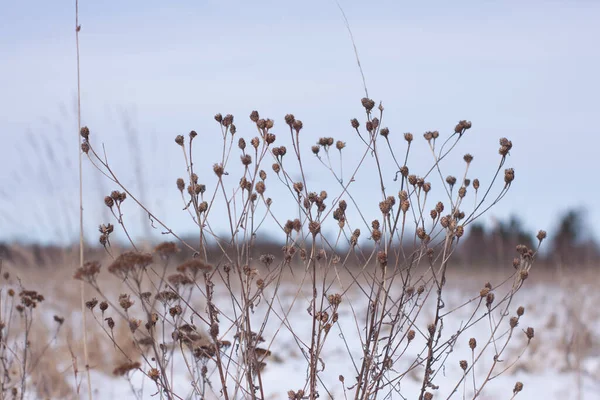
<point>376,235</point>
<point>340,145</point>
<point>384,132</point>
<point>270,138</point>
<point>431,329</point>
<point>439,207</point>
<point>109,202</point>
<point>375,123</point>
<point>405,205</point>
<point>489,299</point>
<point>314,227</point>
<point>289,119</point>
<point>463,365</point>
<point>509,175</point>
<point>445,221</point>
<point>246,159</point>
<point>410,335</point>
<point>382,258</point>
<point>472,343</point>
<point>520,311</point>
<point>468,158</point>
<point>450,180</point>
<point>84,132</point>
<point>514,321</point>
<point>315,149</point>
<point>354,122</point>
<point>85,147</point>
<point>241,143</point>
<point>219,118</point>
<point>529,333</point>
<point>298,187</point>
<point>408,137</point>
<point>260,187</point>
<point>518,387</point>
<point>254,116</point>
<point>368,104</point>
<point>218,169</point>
<point>428,396</point>
<point>541,235</point>
<point>462,192</point>
<point>228,120</point>
<point>297,125</point>
<point>179,140</point>
<point>276,168</point>
<point>255,142</point>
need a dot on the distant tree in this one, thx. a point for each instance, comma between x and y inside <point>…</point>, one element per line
<point>572,243</point>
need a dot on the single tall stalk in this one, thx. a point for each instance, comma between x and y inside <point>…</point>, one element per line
<point>82,287</point>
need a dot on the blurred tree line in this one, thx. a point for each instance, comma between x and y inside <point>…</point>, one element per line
<point>570,243</point>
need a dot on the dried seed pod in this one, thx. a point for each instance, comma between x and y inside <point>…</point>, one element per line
<point>472,343</point>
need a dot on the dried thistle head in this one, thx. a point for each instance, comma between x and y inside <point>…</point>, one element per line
<point>354,122</point>
<point>468,158</point>
<point>530,333</point>
<point>85,132</point>
<point>384,132</point>
<point>314,227</point>
<point>450,180</point>
<point>518,387</point>
<point>509,175</point>
<point>227,120</point>
<point>541,235</point>
<point>298,187</point>
<point>254,116</point>
<point>408,137</point>
<point>297,125</point>
<point>472,343</point>
<point>368,104</point>
<point>290,119</point>
<point>218,170</point>
<point>125,301</point>
<point>179,140</point>
<point>180,187</point>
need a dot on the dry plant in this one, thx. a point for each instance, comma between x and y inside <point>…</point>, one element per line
<point>21,350</point>
<point>221,313</point>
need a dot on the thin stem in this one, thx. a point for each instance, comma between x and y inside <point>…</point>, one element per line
<point>81,243</point>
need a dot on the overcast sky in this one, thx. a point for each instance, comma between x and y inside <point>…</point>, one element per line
<point>150,70</point>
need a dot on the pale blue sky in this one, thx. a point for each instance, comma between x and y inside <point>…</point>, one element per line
<point>527,70</point>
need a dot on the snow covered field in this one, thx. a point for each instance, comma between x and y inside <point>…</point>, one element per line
<point>561,362</point>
